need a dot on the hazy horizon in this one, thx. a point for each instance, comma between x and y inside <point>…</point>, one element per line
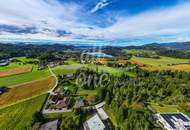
<point>111,22</point>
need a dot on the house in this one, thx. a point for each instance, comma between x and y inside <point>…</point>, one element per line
<point>4,62</point>
<point>94,123</point>
<point>52,125</point>
<point>63,103</point>
<point>79,103</point>
<point>53,98</point>
<point>174,121</point>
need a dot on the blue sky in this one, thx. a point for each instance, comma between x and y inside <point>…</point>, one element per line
<point>109,22</point>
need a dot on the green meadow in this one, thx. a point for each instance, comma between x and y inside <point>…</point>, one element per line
<point>19,116</point>
<point>23,78</point>
<point>162,63</point>
<point>23,63</point>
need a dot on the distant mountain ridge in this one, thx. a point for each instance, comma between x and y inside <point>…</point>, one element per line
<point>151,46</point>
<point>177,45</point>
<point>154,46</point>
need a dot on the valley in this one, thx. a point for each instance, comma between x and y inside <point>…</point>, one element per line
<point>132,84</point>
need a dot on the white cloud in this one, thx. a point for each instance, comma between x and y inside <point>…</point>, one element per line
<point>51,15</point>
<point>99,5</point>
<point>169,21</point>
<point>41,14</point>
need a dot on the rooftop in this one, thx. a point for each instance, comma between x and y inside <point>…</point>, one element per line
<point>53,125</point>
<point>94,123</point>
<point>102,114</point>
<point>175,121</point>
<point>63,103</point>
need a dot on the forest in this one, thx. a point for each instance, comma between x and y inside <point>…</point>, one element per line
<point>128,98</point>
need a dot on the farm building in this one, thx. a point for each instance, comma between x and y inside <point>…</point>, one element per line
<point>94,123</point>
<point>53,125</point>
<point>174,121</point>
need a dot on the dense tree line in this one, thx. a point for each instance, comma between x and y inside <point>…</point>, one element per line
<point>127,98</point>
<point>174,53</point>
<point>29,50</point>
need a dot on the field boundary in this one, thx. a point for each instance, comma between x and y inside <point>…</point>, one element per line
<point>23,100</point>
<point>10,72</point>
<point>12,86</point>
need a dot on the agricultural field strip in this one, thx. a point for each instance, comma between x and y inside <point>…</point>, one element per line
<point>23,100</point>
<point>23,78</point>
<point>15,71</point>
<point>30,82</point>
<point>26,91</point>
<point>163,63</point>
<point>19,116</point>
<point>52,74</point>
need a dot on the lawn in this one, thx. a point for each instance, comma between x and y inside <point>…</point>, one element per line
<point>58,115</point>
<point>19,116</point>
<point>22,92</point>
<point>23,78</point>
<point>164,108</point>
<point>164,63</point>
<point>85,91</point>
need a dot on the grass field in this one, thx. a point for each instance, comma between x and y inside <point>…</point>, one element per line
<point>24,91</point>
<point>64,69</point>
<point>23,78</point>
<point>164,63</point>
<point>164,108</point>
<point>22,63</point>
<point>19,116</point>
<point>15,71</point>
<point>110,70</point>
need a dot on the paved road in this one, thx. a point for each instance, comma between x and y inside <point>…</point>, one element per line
<point>56,80</point>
